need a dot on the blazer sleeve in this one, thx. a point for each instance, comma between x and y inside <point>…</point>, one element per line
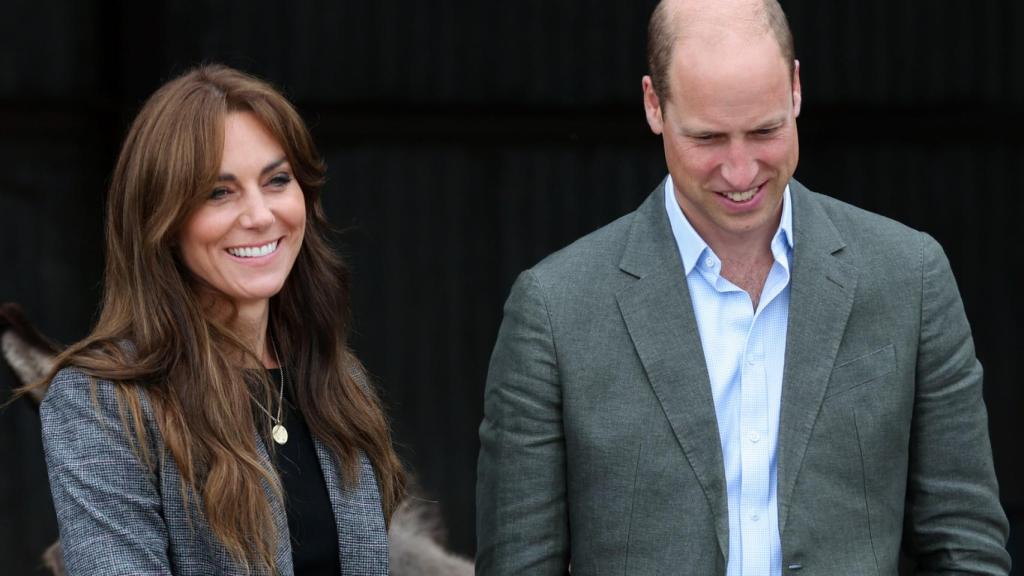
<point>107,501</point>
<point>522,521</point>
<point>954,519</point>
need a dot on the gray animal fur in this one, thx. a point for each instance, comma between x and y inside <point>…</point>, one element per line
<point>416,531</point>
<point>29,364</point>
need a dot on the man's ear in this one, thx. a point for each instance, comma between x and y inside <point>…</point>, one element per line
<point>797,94</point>
<point>652,106</point>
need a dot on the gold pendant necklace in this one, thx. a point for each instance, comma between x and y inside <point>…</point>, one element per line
<point>278,432</point>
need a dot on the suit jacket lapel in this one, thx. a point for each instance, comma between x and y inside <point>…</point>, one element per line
<point>362,535</point>
<point>821,297</point>
<point>280,517</point>
<point>659,316</point>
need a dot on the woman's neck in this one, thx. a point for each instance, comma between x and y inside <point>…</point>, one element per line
<point>249,321</point>
<point>251,324</point>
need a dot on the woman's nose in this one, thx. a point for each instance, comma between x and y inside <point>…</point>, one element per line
<point>257,212</point>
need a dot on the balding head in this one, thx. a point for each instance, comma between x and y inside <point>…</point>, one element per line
<point>676,21</point>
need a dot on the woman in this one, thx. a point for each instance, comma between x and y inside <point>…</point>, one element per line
<point>214,421</point>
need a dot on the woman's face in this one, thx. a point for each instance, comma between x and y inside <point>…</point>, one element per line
<point>243,240</point>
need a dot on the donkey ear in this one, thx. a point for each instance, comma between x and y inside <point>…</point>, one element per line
<point>53,559</point>
<point>29,354</point>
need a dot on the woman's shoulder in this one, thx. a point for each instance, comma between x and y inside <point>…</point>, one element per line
<point>77,400</point>
<point>72,385</point>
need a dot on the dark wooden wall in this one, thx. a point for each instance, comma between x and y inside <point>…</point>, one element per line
<point>467,139</point>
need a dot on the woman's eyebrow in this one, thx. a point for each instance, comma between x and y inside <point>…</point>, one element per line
<point>228,177</point>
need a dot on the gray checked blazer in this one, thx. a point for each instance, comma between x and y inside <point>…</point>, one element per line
<point>118,517</point>
<point>599,445</point>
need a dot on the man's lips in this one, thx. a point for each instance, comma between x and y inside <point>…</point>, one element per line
<point>741,196</point>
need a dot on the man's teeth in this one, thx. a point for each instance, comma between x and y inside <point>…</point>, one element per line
<point>253,252</point>
<point>740,196</point>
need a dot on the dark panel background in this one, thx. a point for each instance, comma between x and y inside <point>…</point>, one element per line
<point>468,139</point>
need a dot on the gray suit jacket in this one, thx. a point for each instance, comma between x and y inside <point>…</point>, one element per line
<point>599,444</point>
<point>116,517</point>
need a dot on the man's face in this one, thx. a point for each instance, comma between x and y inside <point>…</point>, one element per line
<point>729,132</point>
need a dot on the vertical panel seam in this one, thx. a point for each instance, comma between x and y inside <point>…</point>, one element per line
<point>864,488</point>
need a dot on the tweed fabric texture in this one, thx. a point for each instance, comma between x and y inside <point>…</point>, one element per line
<point>118,517</point>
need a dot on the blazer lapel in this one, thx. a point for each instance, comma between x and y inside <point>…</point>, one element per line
<point>362,535</point>
<point>822,288</point>
<point>280,516</point>
<point>659,316</point>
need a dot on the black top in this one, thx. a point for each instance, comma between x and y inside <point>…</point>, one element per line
<point>311,524</point>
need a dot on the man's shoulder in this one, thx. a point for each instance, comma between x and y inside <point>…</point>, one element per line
<point>596,253</point>
<point>860,229</point>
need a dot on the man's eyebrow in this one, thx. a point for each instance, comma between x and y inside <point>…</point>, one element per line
<point>227,177</point>
<point>772,123</point>
<point>699,132</point>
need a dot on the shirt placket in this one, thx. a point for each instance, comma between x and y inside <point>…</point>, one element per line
<point>755,455</point>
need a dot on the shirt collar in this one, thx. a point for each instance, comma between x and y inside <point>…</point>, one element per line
<point>692,246</point>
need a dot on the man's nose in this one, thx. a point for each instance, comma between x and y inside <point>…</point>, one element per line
<point>740,167</point>
<point>256,213</point>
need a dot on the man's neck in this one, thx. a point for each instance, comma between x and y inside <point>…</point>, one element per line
<point>746,259</point>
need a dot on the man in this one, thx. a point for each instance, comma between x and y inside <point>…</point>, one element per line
<point>742,376</point>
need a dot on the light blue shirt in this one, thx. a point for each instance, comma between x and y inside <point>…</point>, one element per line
<point>745,352</point>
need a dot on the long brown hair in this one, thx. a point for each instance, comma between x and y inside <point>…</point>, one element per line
<point>156,333</point>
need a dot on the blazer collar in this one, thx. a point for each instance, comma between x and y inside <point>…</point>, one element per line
<point>658,313</point>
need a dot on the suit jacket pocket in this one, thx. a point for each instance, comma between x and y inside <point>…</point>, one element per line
<point>861,370</point>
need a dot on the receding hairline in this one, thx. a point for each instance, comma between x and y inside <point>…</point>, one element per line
<point>671,19</point>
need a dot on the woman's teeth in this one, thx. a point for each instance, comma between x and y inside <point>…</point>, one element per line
<point>253,252</point>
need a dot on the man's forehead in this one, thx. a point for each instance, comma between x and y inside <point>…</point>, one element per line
<point>741,82</point>
<point>717,51</point>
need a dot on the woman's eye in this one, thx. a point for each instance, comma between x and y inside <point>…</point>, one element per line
<point>219,193</point>
<point>281,180</point>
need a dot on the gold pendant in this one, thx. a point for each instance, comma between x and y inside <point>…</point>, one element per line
<point>279,433</point>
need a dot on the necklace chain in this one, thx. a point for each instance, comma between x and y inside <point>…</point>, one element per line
<point>279,433</point>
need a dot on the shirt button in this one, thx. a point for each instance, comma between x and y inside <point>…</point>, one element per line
<point>754,437</point>
<point>755,517</point>
<point>709,262</point>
